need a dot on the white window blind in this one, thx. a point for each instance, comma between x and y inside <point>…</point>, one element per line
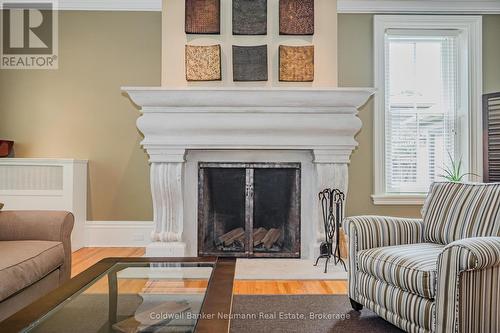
<point>421,85</point>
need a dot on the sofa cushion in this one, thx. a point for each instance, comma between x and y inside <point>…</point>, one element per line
<point>455,211</point>
<point>412,268</point>
<point>23,263</point>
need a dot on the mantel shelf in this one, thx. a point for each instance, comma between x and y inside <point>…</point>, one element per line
<point>237,98</point>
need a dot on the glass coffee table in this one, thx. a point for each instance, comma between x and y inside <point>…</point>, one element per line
<point>136,295</point>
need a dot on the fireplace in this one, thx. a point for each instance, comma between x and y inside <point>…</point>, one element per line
<point>255,126</point>
<point>249,209</point>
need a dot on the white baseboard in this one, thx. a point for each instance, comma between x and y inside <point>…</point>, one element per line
<point>118,233</point>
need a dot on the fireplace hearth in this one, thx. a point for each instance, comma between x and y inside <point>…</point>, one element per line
<point>249,209</point>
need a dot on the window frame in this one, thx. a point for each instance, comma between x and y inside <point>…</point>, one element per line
<point>470,27</point>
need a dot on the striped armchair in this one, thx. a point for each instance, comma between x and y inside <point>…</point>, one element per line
<point>440,273</point>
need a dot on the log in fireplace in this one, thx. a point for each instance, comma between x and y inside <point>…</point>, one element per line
<point>249,209</point>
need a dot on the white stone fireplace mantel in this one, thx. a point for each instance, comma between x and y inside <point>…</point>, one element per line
<point>322,122</point>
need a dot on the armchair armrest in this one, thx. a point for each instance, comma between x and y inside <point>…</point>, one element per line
<point>367,232</point>
<point>455,283</point>
<point>40,225</point>
<point>473,253</point>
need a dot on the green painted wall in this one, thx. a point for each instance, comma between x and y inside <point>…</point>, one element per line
<point>78,111</point>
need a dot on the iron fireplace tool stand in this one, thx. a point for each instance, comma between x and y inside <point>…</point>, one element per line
<point>332,221</point>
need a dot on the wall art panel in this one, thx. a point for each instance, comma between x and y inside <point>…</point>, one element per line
<point>296,63</point>
<point>296,17</point>
<point>250,63</point>
<point>202,16</point>
<point>249,17</point>
<point>203,63</point>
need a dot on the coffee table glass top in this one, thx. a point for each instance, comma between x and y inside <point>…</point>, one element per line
<point>134,297</point>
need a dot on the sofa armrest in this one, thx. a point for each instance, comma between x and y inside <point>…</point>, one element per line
<point>367,232</point>
<point>455,261</point>
<point>40,225</point>
<point>35,225</point>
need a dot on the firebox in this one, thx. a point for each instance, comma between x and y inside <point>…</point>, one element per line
<point>249,209</point>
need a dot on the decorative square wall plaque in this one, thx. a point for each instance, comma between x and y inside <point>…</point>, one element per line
<point>250,63</point>
<point>203,63</point>
<point>296,17</point>
<point>249,17</point>
<point>296,63</point>
<point>202,17</point>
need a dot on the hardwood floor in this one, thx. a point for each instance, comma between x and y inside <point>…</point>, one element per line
<point>289,287</point>
<point>86,257</point>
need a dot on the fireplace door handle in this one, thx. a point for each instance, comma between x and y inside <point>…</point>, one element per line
<point>249,191</point>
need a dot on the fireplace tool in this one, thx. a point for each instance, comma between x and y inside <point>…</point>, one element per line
<point>332,206</point>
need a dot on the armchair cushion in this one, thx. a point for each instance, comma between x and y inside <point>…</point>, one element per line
<point>368,232</point>
<point>412,268</point>
<point>455,211</point>
<point>26,262</point>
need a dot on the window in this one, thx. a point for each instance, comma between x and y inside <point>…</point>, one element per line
<point>428,79</point>
<point>421,108</point>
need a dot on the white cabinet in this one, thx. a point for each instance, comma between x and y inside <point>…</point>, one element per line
<point>46,184</point>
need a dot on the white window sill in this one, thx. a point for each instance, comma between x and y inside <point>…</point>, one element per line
<point>399,199</point>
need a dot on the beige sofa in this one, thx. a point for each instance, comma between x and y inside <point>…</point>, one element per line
<point>35,256</point>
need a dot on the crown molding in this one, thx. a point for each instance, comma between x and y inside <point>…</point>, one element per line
<point>419,6</point>
<point>111,5</point>
<point>343,6</point>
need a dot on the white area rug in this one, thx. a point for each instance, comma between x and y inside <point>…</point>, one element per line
<point>287,269</point>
